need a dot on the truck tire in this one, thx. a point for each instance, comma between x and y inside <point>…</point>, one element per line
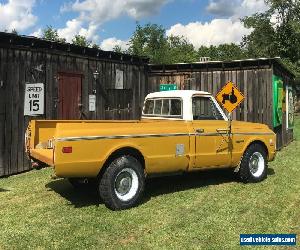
<point>122,183</point>
<point>253,167</point>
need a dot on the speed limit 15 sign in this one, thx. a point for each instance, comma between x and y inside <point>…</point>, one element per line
<point>34,99</point>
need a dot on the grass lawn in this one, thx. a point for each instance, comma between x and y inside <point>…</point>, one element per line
<point>202,210</point>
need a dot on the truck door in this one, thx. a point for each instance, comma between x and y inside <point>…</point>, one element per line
<point>211,134</point>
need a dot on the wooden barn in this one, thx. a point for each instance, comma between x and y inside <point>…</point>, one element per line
<point>41,79</point>
<point>268,87</point>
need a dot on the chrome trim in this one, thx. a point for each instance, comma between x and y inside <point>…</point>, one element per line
<point>90,138</point>
<point>121,136</point>
<point>258,133</point>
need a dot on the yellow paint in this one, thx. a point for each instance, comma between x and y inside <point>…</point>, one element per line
<point>227,90</point>
<point>211,147</point>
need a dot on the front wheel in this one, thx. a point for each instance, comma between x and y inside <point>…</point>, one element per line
<point>122,183</point>
<point>253,167</point>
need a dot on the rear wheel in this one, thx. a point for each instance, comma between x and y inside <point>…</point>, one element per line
<point>122,183</point>
<point>253,166</point>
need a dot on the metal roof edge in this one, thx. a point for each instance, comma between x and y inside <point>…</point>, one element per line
<point>10,39</point>
<point>267,61</point>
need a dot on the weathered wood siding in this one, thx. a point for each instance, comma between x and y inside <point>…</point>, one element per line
<point>17,67</point>
<point>254,82</point>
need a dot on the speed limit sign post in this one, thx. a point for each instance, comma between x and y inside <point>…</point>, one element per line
<point>34,99</point>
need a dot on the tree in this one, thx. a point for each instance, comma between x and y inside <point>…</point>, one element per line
<point>14,31</point>
<point>117,48</point>
<point>180,50</point>
<point>276,32</point>
<point>223,52</point>
<point>81,41</point>
<point>149,41</point>
<point>95,46</point>
<point>51,34</point>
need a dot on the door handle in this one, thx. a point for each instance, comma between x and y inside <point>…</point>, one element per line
<point>199,130</point>
<point>220,130</point>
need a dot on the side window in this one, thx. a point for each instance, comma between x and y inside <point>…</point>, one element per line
<point>157,107</point>
<point>149,105</point>
<point>165,107</point>
<point>205,109</point>
<point>175,107</point>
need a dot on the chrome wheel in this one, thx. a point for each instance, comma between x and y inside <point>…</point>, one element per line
<point>257,164</point>
<point>126,184</point>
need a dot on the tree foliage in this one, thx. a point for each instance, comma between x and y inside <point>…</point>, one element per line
<point>51,34</point>
<point>276,32</point>
<point>81,41</point>
<point>180,50</point>
<point>149,41</point>
<point>223,52</point>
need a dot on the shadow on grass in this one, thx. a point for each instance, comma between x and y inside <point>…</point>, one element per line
<point>186,181</point>
<point>271,171</point>
<point>79,197</point>
<point>3,190</point>
<point>82,197</point>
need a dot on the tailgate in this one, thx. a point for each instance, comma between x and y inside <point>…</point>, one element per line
<point>39,140</point>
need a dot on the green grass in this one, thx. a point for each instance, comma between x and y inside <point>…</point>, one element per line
<point>205,210</point>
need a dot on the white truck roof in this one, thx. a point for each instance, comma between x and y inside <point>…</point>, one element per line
<point>177,93</point>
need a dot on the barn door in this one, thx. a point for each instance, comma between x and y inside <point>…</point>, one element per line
<point>69,94</point>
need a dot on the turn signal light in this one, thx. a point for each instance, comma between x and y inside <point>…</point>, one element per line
<point>67,150</point>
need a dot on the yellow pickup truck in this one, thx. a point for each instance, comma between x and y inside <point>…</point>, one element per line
<point>179,131</point>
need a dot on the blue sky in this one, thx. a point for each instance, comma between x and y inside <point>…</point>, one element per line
<point>112,22</point>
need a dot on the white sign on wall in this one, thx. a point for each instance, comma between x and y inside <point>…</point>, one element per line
<point>34,99</point>
<point>92,102</point>
<point>119,79</point>
<point>290,107</point>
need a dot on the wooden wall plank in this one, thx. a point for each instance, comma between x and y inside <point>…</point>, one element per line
<point>242,83</point>
<point>15,112</point>
<point>3,84</point>
<point>91,82</point>
<point>21,125</point>
<point>255,95</point>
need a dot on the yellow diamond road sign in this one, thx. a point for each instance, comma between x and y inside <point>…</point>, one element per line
<point>230,97</point>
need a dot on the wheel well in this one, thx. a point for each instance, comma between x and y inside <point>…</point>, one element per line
<point>123,151</point>
<point>262,144</point>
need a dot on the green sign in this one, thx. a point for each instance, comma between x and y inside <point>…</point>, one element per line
<point>166,87</point>
<point>277,100</point>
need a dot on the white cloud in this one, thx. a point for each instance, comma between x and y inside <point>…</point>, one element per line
<point>17,14</point>
<point>37,33</point>
<point>93,13</point>
<point>222,8</point>
<point>104,10</point>
<point>109,43</point>
<point>249,7</point>
<point>236,8</point>
<point>218,31</point>
<point>75,27</point>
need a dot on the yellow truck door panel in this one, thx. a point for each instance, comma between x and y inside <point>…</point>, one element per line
<point>212,144</point>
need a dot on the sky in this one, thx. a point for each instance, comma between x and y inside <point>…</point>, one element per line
<point>112,22</point>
